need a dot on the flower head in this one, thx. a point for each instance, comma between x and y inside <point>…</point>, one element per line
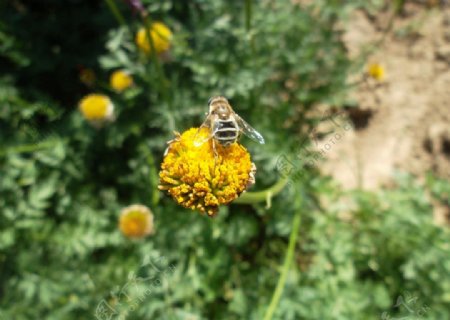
<point>136,221</point>
<point>120,80</point>
<point>199,179</point>
<point>161,37</point>
<point>376,71</point>
<point>96,108</point>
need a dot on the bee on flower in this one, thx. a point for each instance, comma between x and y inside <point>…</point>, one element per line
<point>160,35</point>
<point>206,167</point>
<point>97,109</point>
<point>203,177</point>
<point>225,125</point>
<point>136,221</point>
<point>120,80</point>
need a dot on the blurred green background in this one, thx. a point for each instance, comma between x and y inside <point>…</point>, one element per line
<point>356,255</point>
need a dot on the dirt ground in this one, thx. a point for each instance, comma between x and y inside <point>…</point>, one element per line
<point>403,122</point>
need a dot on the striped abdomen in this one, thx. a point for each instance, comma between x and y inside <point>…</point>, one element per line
<point>227,132</point>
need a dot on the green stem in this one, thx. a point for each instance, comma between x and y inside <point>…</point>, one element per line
<point>153,180</point>
<point>116,12</point>
<point>248,14</point>
<point>162,83</point>
<point>286,265</point>
<point>248,28</point>
<point>264,195</point>
<point>248,25</point>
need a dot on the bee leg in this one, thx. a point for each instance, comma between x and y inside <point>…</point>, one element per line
<point>216,155</point>
<point>177,138</point>
<point>166,151</point>
<point>168,147</point>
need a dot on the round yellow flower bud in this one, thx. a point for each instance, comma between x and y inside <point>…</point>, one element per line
<point>198,179</point>
<point>376,71</point>
<point>136,221</point>
<point>120,80</point>
<point>160,34</point>
<point>96,107</point>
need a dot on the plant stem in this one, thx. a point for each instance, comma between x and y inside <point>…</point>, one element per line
<point>264,195</point>
<point>248,28</point>
<point>248,25</point>
<point>162,84</point>
<point>248,14</point>
<point>284,271</point>
<point>116,12</point>
<point>153,179</point>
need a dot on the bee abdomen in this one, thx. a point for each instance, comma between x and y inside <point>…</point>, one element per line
<point>227,133</point>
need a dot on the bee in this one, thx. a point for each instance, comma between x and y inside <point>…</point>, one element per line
<point>225,125</point>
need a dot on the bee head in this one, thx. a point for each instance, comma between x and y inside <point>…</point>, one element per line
<point>219,106</point>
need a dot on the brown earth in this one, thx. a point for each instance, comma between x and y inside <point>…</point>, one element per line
<point>403,122</point>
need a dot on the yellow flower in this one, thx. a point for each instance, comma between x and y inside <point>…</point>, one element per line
<point>96,107</point>
<point>136,221</point>
<point>160,34</point>
<point>376,71</point>
<point>120,80</point>
<point>199,180</point>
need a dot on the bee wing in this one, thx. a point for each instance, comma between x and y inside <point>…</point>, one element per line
<point>248,130</point>
<point>198,139</point>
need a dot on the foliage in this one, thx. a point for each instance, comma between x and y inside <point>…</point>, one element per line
<point>63,182</point>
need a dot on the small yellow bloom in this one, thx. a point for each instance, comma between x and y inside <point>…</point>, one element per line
<point>120,80</point>
<point>136,221</point>
<point>376,71</point>
<point>160,34</point>
<point>96,107</point>
<point>199,180</point>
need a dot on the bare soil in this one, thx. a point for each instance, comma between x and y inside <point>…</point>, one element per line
<point>401,124</point>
